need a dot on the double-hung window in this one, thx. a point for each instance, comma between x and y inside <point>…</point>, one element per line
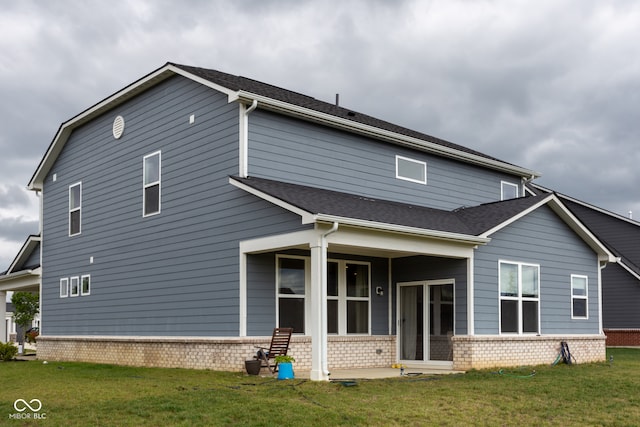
<point>348,288</point>
<point>579,297</point>
<point>519,297</point>
<point>151,184</point>
<point>75,208</point>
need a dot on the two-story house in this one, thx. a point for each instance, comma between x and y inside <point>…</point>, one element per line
<point>187,215</point>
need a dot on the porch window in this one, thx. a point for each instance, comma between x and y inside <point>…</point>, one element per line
<point>519,297</point>
<point>75,208</point>
<point>291,293</point>
<point>151,184</point>
<point>348,289</point>
<point>579,297</point>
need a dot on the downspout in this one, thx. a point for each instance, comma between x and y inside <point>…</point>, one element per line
<point>323,310</point>
<point>244,139</point>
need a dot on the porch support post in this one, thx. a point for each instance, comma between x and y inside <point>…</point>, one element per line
<point>319,310</point>
<point>3,315</point>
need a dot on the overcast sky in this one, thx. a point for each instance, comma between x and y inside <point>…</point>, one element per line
<point>550,85</point>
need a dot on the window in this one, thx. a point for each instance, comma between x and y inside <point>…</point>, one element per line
<point>151,185</point>
<point>75,208</point>
<point>579,297</point>
<point>85,288</point>
<point>291,280</point>
<point>348,286</point>
<point>519,297</point>
<point>64,288</point>
<point>509,190</point>
<point>75,286</point>
<point>411,170</point>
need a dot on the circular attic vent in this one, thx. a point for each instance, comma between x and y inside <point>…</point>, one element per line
<point>118,127</point>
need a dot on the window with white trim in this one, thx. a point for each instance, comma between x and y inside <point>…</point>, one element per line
<point>75,208</point>
<point>292,283</point>
<point>348,297</point>
<point>85,285</point>
<point>519,297</point>
<point>151,184</point>
<point>509,190</point>
<point>411,170</point>
<point>75,286</point>
<point>64,287</point>
<point>579,297</point>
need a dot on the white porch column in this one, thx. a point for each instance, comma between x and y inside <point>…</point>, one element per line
<point>3,315</point>
<point>319,310</point>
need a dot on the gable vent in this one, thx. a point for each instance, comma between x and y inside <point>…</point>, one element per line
<point>118,127</point>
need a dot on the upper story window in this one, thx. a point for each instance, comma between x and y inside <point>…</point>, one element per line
<point>75,208</point>
<point>509,190</point>
<point>519,297</point>
<point>411,170</point>
<point>151,185</point>
<point>579,297</point>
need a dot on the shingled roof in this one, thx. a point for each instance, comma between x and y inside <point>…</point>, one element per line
<point>470,221</point>
<point>237,83</point>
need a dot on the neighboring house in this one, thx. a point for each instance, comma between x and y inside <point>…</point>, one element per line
<point>620,281</point>
<point>190,213</point>
<point>23,275</point>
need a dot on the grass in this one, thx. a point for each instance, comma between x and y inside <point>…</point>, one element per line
<point>79,394</point>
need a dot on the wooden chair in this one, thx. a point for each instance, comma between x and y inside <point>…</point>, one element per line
<point>279,346</point>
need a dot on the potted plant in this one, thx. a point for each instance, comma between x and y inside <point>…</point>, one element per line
<point>285,366</point>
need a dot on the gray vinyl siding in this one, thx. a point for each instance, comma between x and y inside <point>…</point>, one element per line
<point>33,259</point>
<point>421,268</point>
<point>290,150</point>
<point>620,298</point>
<point>172,274</point>
<point>261,291</point>
<point>542,238</point>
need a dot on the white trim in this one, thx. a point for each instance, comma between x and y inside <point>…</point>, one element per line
<point>584,297</point>
<point>82,292</point>
<point>77,280</point>
<point>307,217</point>
<point>243,143</point>
<point>423,180</point>
<point>372,131</point>
<point>519,299</point>
<point>146,185</point>
<point>75,209</point>
<point>243,293</point>
<point>65,293</point>
<point>504,184</point>
<point>470,296</point>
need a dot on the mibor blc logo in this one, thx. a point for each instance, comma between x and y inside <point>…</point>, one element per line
<point>34,406</point>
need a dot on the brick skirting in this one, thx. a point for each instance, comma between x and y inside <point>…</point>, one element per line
<point>623,337</point>
<point>222,354</point>
<point>480,352</point>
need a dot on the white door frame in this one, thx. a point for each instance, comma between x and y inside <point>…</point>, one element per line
<point>425,284</point>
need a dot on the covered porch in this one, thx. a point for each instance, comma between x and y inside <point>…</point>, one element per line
<point>419,296</point>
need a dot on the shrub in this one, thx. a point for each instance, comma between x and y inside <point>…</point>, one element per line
<point>8,351</point>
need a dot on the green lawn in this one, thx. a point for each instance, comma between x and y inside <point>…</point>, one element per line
<point>78,394</point>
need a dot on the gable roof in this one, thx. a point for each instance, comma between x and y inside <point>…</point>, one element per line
<point>273,98</point>
<point>472,225</point>
<point>619,234</point>
<point>21,276</point>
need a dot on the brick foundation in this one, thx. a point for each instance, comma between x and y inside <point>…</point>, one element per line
<point>480,352</point>
<point>222,354</point>
<point>623,337</point>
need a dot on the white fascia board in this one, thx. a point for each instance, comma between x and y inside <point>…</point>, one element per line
<point>112,101</point>
<point>402,229</point>
<point>561,210</point>
<point>27,280</point>
<point>25,251</point>
<point>307,217</point>
<point>375,132</point>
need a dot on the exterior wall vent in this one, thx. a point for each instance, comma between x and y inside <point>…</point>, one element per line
<point>118,127</point>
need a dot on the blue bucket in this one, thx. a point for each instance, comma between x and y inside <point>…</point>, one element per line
<point>285,371</point>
